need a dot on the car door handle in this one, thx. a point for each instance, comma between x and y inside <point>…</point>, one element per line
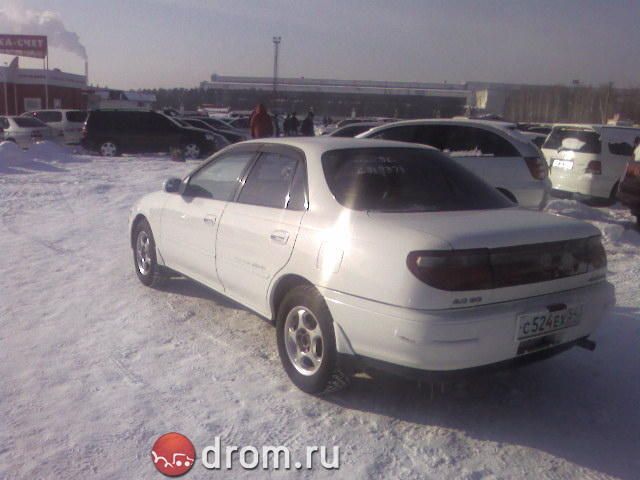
<point>280,236</point>
<point>210,220</point>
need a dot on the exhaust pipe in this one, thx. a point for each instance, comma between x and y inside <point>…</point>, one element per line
<point>587,344</point>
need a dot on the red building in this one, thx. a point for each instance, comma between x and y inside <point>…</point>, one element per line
<point>25,89</point>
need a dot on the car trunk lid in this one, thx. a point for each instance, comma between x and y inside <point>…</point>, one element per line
<point>526,253</point>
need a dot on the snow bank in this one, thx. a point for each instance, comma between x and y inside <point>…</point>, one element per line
<point>11,154</point>
<point>616,224</point>
<point>49,151</point>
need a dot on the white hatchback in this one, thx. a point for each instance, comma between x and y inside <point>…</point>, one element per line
<point>375,253</point>
<point>495,151</point>
<point>587,161</point>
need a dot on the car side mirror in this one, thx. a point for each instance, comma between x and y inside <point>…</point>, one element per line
<point>172,185</point>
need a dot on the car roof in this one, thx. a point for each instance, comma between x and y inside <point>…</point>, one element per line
<point>492,124</point>
<point>58,110</point>
<point>593,126</point>
<point>506,128</point>
<point>323,144</point>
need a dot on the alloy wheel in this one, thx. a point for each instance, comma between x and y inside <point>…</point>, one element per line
<point>303,340</point>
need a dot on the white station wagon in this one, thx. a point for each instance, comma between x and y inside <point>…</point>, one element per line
<point>375,253</point>
<point>495,151</point>
<point>587,161</point>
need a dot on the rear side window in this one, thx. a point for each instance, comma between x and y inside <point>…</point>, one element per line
<point>269,181</point>
<point>472,141</point>
<point>405,180</point>
<point>582,141</point>
<point>155,122</point>
<point>49,117</point>
<point>106,121</point>
<point>621,148</point>
<point>621,141</point>
<point>28,122</point>
<point>76,116</point>
<point>399,134</point>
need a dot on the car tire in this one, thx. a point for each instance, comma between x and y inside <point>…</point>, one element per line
<point>191,151</point>
<point>145,260</point>
<point>108,148</point>
<point>306,342</point>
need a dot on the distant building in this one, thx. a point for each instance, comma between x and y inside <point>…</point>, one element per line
<point>25,89</point>
<point>341,97</point>
<point>105,98</point>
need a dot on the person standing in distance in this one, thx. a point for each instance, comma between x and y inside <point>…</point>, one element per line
<point>261,125</point>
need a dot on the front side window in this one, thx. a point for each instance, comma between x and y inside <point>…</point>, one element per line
<point>219,179</point>
<point>405,180</point>
<point>269,181</point>
<point>49,117</point>
<point>475,142</point>
<point>28,122</point>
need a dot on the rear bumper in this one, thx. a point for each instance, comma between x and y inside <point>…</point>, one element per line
<point>584,185</point>
<point>355,363</point>
<point>456,339</point>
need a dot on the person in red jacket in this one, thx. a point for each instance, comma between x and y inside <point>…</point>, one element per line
<point>261,124</point>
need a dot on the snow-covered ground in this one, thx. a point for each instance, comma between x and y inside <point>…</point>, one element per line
<point>94,366</point>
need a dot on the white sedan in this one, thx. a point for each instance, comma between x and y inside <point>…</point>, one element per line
<point>375,253</point>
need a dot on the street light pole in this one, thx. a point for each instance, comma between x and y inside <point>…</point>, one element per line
<point>276,47</point>
<point>6,99</point>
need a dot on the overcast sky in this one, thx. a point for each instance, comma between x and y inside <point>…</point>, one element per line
<point>166,43</point>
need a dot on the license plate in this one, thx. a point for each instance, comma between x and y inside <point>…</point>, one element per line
<point>563,164</point>
<point>543,322</point>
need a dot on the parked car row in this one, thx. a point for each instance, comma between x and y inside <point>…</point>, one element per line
<point>379,254</point>
<point>526,162</point>
<point>113,132</point>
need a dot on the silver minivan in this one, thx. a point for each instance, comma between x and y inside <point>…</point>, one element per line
<point>66,124</point>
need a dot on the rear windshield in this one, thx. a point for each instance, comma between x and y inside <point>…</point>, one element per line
<point>28,122</point>
<point>583,141</point>
<point>77,116</point>
<point>405,180</point>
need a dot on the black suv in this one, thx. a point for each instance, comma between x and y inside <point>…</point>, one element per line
<point>112,132</point>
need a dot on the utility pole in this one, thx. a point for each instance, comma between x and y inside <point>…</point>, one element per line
<point>276,48</point>
<point>6,80</point>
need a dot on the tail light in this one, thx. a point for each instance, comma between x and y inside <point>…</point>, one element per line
<point>452,270</point>
<point>483,269</point>
<point>594,167</point>
<point>633,169</point>
<point>537,167</point>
